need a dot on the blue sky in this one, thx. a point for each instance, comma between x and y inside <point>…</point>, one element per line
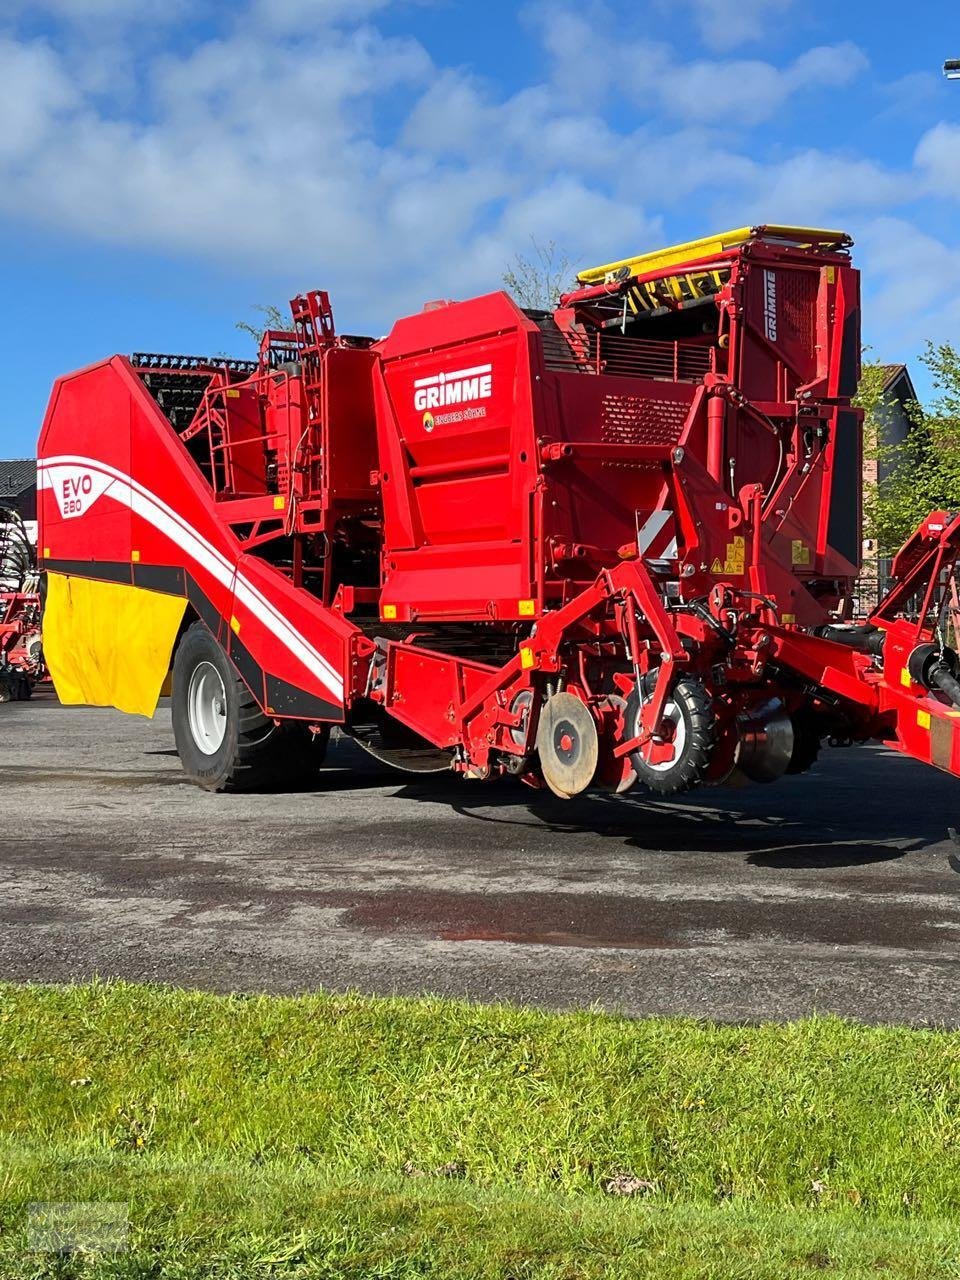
<point>165,164</point>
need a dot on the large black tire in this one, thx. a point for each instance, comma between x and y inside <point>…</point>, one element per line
<point>696,736</point>
<point>255,753</point>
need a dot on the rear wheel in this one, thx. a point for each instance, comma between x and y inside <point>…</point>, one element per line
<point>225,742</point>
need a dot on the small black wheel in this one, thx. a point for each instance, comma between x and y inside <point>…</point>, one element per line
<point>315,744</point>
<point>678,759</point>
<point>225,742</point>
<point>806,743</point>
<point>14,686</point>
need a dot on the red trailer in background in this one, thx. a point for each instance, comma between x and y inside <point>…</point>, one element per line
<point>607,543</point>
<point>21,650</point>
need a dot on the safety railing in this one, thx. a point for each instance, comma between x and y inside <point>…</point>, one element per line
<point>618,355</point>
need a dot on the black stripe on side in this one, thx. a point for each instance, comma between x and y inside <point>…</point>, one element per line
<point>283,698</point>
<point>159,577</point>
<point>96,570</point>
<point>205,609</point>
<point>250,670</point>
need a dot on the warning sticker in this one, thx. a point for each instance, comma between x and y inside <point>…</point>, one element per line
<point>800,552</point>
<point>716,567</point>
<point>736,555</point>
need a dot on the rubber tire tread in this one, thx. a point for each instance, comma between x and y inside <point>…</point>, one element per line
<point>696,707</point>
<point>806,744</point>
<point>256,753</point>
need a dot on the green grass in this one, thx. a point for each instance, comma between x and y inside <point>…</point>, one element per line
<point>269,1136</point>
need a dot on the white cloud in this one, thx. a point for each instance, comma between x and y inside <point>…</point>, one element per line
<point>265,153</point>
<point>751,91</point>
<point>303,15</point>
<point>815,186</point>
<point>81,11</point>
<point>938,158</point>
<point>735,93</point>
<point>345,156</point>
<point>458,117</point>
<point>912,286</point>
<point>724,24</point>
<point>586,223</point>
<point>34,92</point>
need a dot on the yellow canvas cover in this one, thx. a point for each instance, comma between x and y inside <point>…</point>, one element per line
<point>108,644</point>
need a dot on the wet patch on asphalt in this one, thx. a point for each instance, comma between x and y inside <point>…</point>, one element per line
<point>639,922</point>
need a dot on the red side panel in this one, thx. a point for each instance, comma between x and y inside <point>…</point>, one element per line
<point>458,461</point>
<point>122,500</point>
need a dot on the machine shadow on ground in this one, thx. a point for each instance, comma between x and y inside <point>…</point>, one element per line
<point>781,826</point>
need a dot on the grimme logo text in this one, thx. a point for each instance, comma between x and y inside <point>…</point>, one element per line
<point>458,387</point>
<point>770,304</point>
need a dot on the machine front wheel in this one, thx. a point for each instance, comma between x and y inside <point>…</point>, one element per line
<point>677,759</point>
<point>225,742</point>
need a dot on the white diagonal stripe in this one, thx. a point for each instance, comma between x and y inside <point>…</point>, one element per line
<point>156,512</point>
<point>651,527</point>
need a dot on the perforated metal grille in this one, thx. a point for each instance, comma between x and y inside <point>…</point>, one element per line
<point>798,303</point>
<point>640,420</point>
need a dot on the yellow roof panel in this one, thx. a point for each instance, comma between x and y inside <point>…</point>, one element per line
<point>661,259</point>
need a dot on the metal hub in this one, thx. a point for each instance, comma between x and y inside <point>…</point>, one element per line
<point>667,746</point>
<point>521,707</point>
<point>568,745</point>
<point>207,708</point>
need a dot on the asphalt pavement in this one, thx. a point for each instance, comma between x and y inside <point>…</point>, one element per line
<point>837,891</point>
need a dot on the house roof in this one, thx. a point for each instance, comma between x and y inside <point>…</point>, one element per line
<point>897,382</point>
<point>17,475</point>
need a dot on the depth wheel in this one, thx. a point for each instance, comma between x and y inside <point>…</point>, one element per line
<point>807,733</point>
<point>678,758</point>
<point>225,742</point>
<point>568,745</point>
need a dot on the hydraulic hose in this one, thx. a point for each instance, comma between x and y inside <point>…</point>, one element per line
<point>941,677</point>
<point>866,639</point>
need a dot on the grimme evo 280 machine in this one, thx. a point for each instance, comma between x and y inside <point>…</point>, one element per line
<point>608,543</point>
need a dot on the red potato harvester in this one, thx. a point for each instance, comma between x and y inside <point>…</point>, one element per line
<point>609,543</point>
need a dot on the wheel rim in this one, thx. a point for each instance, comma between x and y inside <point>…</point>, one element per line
<point>207,708</point>
<point>673,718</point>
<point>521,707</point>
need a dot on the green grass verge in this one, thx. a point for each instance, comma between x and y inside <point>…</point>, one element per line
<point>268,1136</point>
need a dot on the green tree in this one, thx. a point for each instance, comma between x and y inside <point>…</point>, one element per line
<point>538,280</point>
<point>271,318</point>
<point>921,474</point>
